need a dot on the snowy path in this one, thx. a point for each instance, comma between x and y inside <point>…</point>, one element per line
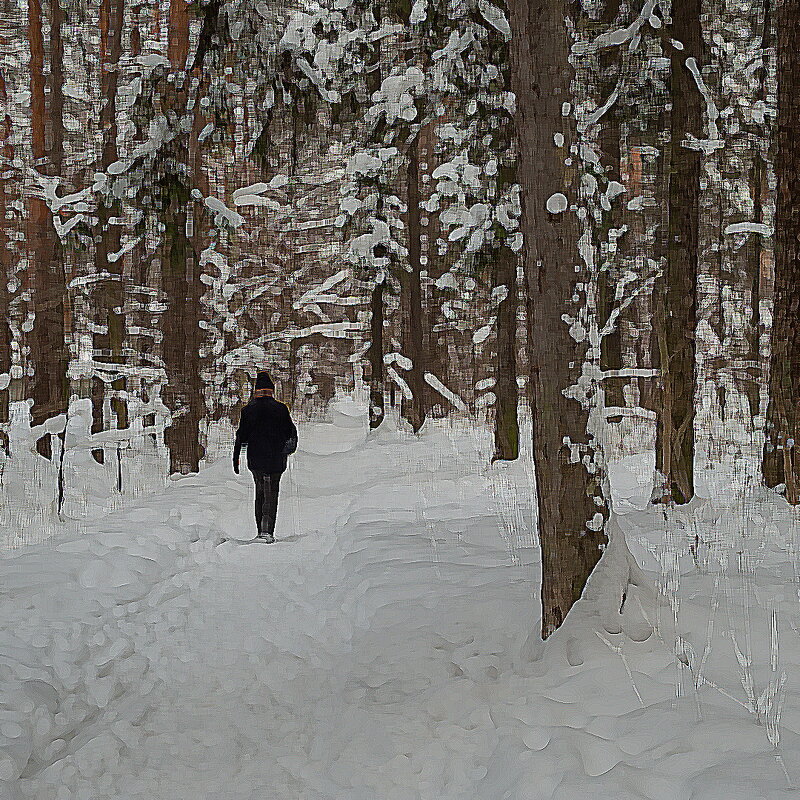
<point>372,653</point>
<point>311,668</point>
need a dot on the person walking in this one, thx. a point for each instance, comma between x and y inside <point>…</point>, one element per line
<point>267,432</point>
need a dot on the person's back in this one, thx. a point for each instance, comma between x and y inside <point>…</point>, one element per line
<point>269,435</point>
<point>266,427</point>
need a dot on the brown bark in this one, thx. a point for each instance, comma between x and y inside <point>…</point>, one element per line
<point>178,44</point>
<point>413,409</point>
<point>6,157</point>
<point>109,297</point>
<point>375,356</point>
<point>180,273</point>
<point>568,496</point>
<point>676,296</point>
<point>49,387</point>
<point>506,427</point>
<point>755,247</point>
<point>781,461</point>
<point>611,160</point>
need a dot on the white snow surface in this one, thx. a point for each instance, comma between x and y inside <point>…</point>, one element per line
<point>386,647</point>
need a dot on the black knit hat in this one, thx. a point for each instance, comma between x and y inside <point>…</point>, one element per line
<point>263,381</point>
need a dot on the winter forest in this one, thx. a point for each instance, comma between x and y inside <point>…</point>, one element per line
<point>526,274</point>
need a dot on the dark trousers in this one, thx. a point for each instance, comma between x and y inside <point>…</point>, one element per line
<point>267,486</point>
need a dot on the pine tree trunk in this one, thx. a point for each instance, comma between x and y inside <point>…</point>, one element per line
<point>375,356</point>
<point>181,282</point>
<point>569,497</point>
<point>178,41</point>
<point>752,381</point>
<point>413,409</point>
<point>183,392</point>
<point>108,339</point>
<point>506,390</point>
<point>781,461</point>
<point>7,155</point>
<point>755,249</point>
<point>676,296</point>
<point>611,160</point>
<point>50,386</point>
<point>506,426</point>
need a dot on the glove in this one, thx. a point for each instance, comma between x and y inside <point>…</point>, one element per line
<point>236,467</point>
<point>290,446</point>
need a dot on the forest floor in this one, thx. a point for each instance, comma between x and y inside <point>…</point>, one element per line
<point>381,649</point>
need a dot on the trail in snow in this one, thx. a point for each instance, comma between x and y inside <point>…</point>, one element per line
<point>375,652</point>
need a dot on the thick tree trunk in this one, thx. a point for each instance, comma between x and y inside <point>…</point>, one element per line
<point>183,392</point>
<point>50,386</point>
<point>413,409</point>
<point>506,427</point>
<point>375,356</point>
<point>676,296</point>
<point>571,507</point>
<point>180,272</point>
<point>109,296</point>
<point>781,461</point>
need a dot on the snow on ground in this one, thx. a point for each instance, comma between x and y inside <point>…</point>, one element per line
<point>381,649</point>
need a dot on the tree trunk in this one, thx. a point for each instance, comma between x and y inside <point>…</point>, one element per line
<point>781,461</point>
<point>676,296</point>
<point>506,427</point>
<point>413,409</point>
<point>108,339</point>
<point>178,44</point>
<point>48,347</point>
<point>755,246</point>
<point>611,160</point>
<point>571,506</point>
<point>7,156</point>
<point>180,270</point>
<point>183,391</point>
<point>375,356</point>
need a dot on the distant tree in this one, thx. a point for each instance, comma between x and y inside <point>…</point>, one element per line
<point>109,295</point>
<point>6,174</point>
<point>676,292</point>
<point>49,385</point>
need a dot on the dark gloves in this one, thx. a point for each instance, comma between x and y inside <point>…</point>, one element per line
<point>290,446</point>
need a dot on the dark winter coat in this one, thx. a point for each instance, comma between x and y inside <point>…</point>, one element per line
<point>269,433</point>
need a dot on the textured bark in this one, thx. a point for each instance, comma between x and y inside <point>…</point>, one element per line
<point>752,382</point>
<point>180,273</point>
<point>611,160</point>
<point>413,409</point>
<point>754,247</point>
<point>6,155</point>
<point>49,387</point>
<point>781,462</point>
<point>183,392</point>
<point>109,296</point>
<point>676,294</point>
<point>506,427</point>
<point>178,44</point>
<point>375,357</point>
<point>568,496</point>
